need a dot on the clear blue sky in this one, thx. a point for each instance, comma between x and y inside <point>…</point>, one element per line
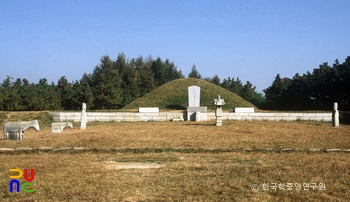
<point>254,40</point>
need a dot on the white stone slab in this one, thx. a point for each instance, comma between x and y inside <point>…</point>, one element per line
<point>6,149</point>
<point>177,119</point>
<point>194,93</point>
<point>244,109</point>
<point>148,109</point>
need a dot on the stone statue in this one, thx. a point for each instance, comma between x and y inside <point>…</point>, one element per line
<point>15,130</point>
<point>335,115</point>
<point>58,127</point>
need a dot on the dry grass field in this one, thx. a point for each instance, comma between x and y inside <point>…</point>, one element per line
<point>199,162</point>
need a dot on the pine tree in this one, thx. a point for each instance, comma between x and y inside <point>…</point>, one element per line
<point>106,85</point>
<point>194,73</point>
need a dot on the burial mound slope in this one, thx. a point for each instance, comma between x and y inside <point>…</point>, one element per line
<point>174,96</point>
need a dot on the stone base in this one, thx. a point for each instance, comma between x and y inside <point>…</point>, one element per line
<point>15,136</point>
<point>56,130</point>
<point>218,122</point>
<point>191,113</point>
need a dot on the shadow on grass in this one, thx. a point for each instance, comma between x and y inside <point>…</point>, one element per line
<point>175,107</point>
<point>344,117</point>
<point>199,124</point>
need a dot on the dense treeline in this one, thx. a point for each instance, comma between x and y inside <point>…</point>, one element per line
<point>111,85</point>
<point>316,90</point>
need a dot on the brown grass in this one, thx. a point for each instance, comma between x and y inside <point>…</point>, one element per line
<point>233,135</point>
<point>188,175</point>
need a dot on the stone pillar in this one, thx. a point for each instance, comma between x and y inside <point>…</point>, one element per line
<point>335,115</point>
<point>83,117</point>
<point>218,112</point>
<point>218,116</point>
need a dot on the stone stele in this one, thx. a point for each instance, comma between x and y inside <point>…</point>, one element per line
<point>83,117</point>
<point>194,111</point>
<point>194,95</point>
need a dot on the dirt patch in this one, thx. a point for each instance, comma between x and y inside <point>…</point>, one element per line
<point>112,165</point>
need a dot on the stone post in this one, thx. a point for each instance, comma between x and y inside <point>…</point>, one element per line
<point>83,117</point>
<point>335,115</point>
<point>218,112</point>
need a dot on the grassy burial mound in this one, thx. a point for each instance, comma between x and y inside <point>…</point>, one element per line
<point>174,96</point>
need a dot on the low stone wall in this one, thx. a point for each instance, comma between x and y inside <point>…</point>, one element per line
<point>168,116</point>
<point>274,116</point>
<point>117,116</point>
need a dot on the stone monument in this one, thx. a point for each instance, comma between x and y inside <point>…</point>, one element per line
<point>194,96</point>
<point>83,117</point>
<point>194,111</point>
<point>218,112</point>
<point>335,115</point>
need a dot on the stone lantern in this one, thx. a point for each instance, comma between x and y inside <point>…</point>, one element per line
<point>218,112</point>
